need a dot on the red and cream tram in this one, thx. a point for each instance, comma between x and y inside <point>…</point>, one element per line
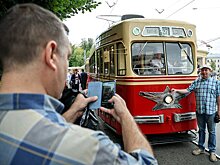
<point>147,58</point>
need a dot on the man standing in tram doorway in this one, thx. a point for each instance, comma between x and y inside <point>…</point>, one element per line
<point>207,92</point>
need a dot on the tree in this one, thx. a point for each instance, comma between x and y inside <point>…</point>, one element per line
<point>87,45</point>
<point>62,8</point>
<point>77,58</point>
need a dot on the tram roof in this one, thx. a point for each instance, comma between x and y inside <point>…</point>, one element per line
<point>150,21</point>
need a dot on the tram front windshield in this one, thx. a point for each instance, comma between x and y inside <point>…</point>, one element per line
<point>161,58</point>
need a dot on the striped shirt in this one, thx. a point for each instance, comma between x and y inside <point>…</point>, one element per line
<point>206,91</point>
<point>32,132</point>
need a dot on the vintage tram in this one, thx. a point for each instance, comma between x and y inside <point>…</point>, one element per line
<point>125,53</point>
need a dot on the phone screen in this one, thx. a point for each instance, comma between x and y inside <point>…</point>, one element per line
<point>108,90</point>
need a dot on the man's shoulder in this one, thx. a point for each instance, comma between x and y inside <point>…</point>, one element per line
<point>214,80</point>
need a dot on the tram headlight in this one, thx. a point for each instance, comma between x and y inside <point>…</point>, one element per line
<point>136,31</point>
<point>168,99</point>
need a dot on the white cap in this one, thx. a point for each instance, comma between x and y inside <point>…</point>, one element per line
<point>206,66</point>
<point>158,51</point>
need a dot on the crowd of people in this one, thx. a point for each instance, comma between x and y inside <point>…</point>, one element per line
<point>77,79</point>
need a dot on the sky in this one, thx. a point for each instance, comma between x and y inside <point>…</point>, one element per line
<point>203,13</point>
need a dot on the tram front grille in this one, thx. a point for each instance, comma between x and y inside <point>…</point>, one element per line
<point>149,119</point>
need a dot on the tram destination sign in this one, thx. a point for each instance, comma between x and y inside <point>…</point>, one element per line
<point>164,31</point>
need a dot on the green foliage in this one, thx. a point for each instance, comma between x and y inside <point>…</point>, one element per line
<point>62,8</point>
<point>77,57</point>
<point>87,45</point>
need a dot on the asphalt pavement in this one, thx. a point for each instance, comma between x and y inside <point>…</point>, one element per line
<point>179,153</point>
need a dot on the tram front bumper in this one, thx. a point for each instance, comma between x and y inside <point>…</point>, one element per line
<point>178,117</point>
<point>149,119</point>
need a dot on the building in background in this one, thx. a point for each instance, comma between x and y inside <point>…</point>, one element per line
<point>201,57</point>
<point>213,59</point>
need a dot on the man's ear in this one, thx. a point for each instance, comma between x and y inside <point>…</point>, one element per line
<point>50,54</point>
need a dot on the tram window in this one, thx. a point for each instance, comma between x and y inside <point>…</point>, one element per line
<point>121,60</point>
<point>112,60</point>
<point>147,61</point>
<point>101,62</point>
<point>148,58</point>
<point>106,61</point>
<point>179,57</point>
<point>92,63</point>
<point>98,61</point>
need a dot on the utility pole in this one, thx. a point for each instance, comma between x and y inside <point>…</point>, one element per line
<point>84,53</point>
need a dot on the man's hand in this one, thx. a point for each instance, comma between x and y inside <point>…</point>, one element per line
<point>119,110</point>
<point>76,109</point>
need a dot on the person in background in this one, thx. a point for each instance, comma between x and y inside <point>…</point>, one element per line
<point>207,92</point>
<point>75,80</point>
<point>84,77</point>
<point>68,79</point>
<point>34,52</point>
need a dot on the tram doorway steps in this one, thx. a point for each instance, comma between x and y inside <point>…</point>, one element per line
<point>172,138</point>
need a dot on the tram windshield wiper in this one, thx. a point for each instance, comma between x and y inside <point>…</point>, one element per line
<point>187,54</point>
<point>142,49</point>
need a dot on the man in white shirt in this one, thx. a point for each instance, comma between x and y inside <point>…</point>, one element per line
<point>156,63</point>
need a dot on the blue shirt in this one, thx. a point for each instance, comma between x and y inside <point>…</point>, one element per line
<point>32,132</point>
<point>206,91</point>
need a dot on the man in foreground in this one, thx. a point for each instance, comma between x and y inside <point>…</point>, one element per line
<point>34,51</point>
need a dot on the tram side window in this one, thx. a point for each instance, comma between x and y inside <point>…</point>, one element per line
<point>101,61</point>
<point>98,61</point>
<point>106,61</point>
<point>112,60</point>
<point>179,57</point>
<point>92,63</point>
<point>121,60</point>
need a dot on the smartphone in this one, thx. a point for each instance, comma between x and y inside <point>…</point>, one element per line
<point>104,91</point>
<point>95,89</point>
<point>108,90</point>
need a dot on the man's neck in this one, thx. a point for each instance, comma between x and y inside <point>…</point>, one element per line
<point>13,82</point>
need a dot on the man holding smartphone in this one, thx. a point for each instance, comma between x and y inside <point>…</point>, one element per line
<point>34,52</point>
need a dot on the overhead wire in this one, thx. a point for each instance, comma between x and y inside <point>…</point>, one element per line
<point>112,6</point>
<point>181,8</point>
